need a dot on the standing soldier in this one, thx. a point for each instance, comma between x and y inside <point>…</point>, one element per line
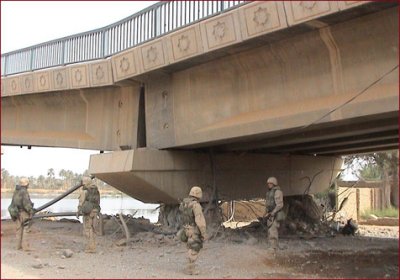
<point>24,210</point>
<point>274,213</point>
<point>89,207</point>
<point>194,226</point>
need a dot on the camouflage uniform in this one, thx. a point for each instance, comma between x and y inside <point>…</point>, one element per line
<point>274,205</point>
<point>22,200</point>
<point>89,207</point>
<point>194,225</point>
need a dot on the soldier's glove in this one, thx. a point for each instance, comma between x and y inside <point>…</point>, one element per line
<point>262,220</point>
<point>204,237</point>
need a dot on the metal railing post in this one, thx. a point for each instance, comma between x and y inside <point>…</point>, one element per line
<point>63,53</point>
<point>31,62</point>
<point>103,40</point>
<point>5,65</point>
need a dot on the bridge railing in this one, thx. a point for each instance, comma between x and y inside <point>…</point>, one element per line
<point>152,22</point>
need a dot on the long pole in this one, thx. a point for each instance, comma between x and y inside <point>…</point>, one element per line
<point>61,196</point>
<point>47,215</point>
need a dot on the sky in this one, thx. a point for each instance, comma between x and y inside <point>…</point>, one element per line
<point>27,23</point>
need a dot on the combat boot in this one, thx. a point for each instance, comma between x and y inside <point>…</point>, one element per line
<point>90,249</point>
<point>191,269</point>
<point>273,244</point>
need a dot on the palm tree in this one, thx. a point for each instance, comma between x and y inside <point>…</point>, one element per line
<point>63,175</point>
<point>41,180</point>
<point>5,177</point>
<point>50,174</point>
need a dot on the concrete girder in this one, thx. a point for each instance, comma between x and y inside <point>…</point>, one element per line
<point>361,128</point>
<point>313,147</point>
<point>104,118</point>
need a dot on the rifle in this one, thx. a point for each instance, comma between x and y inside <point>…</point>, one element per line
<point>267,220</point>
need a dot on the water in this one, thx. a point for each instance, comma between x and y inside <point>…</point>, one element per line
<point>109,205</point>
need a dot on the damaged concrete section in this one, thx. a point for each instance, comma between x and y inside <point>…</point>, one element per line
<point>155,176</point>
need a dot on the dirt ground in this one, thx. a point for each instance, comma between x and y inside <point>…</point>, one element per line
<point>372,254</point>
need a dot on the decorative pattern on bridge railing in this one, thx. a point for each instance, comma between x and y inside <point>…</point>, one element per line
<point>158,19</point>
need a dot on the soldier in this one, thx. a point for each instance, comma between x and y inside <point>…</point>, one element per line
<point>274,213</point>
<point>89,207</point>
<point>24,210</point>
<point>194,226</point>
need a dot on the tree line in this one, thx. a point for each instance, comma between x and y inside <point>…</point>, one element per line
<point>66,179</point>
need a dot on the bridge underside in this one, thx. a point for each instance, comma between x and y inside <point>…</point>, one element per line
<point>285,104</point>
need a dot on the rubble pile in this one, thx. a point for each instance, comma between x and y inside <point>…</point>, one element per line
<point>139,230</point>
<point>237,222</point>
<point>304,217</point>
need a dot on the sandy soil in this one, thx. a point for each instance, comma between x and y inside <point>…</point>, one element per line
<point>373,254</point>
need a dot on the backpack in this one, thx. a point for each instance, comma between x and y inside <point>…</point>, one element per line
<point>187,212</point>
<point>14,212</point>
<point>92,201</point>
<point>13,208</point>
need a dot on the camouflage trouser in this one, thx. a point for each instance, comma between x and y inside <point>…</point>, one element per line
<point>89,225</point>
<point>273,234</point>
<point>194,245</point>
<point>22,217</point>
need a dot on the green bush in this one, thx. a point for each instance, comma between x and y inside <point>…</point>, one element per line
<point>388,212</point>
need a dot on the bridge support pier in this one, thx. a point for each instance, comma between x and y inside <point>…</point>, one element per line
<point>155,176</point>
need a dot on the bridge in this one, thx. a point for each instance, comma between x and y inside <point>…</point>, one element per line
<point>220,94</point>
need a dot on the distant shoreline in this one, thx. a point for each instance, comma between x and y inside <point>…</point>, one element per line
<point>7,193</point>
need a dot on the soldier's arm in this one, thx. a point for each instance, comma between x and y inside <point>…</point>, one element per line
<point>82,197</point>
<point>266,205</point>
<point>27,203</point>
<point>199,218</point>
<point>278,201</point>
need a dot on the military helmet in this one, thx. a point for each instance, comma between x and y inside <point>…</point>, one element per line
<point>273,181</point>
<point>86,181</point>
<point>24,182</point>
<point>196,192</point>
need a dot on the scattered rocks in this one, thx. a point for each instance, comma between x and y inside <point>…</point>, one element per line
<point>37,265</point>
<point>67,253</point>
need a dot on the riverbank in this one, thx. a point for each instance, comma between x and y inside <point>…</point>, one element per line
<point>47,193</point>
<point>231,254</point>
